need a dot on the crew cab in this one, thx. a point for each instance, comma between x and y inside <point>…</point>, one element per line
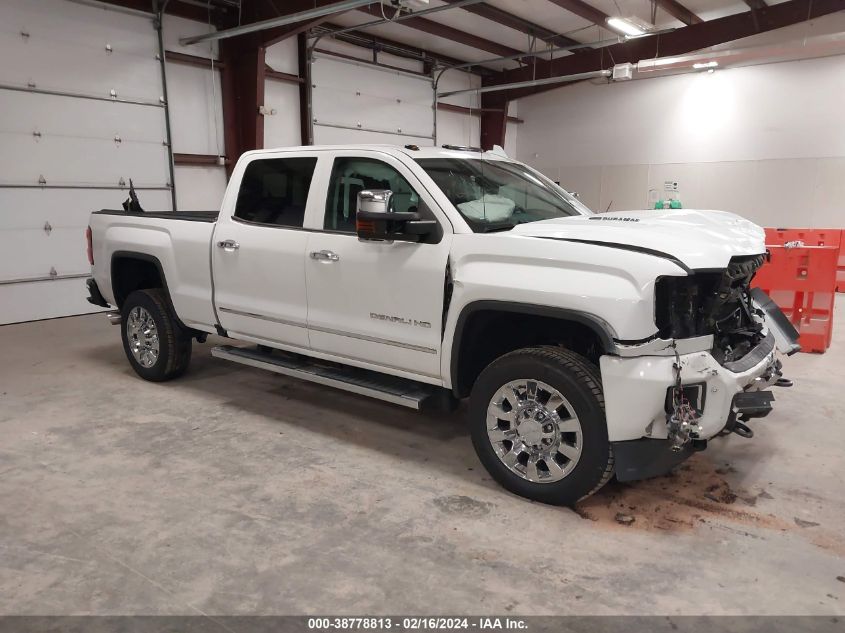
<point>588,344</point>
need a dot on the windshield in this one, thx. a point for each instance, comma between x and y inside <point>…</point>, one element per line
<point>498,195</point>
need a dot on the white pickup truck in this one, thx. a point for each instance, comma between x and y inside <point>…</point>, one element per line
<point>588,344</point>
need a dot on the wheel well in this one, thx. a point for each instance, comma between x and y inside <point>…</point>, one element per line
<point>485,335</point>
<point>130,273</point>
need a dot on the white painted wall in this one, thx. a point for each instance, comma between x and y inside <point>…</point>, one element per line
<point>767,142</point>
<point>455,128</point>
<point>282,128</point>
<point>196,116</point>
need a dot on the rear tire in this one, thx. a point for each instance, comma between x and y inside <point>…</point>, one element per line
<point>556,454</point>
<point>157,347</point>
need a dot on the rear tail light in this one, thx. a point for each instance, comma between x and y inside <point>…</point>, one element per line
<point>90,242</point>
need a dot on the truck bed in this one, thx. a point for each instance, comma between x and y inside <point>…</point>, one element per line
<point>177,243</point>
<point>187,216</point>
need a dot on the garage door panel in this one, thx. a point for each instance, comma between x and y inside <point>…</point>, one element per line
<point>77,25</point>
<point>383,104</point>
<point>55,115</point>
<point>354,77</point>
<point>33,253</point>
<point>75,161</point>
<point>372,112</point>
<point>54,66</point>
<point>336,136</point>
<point>83,147</point>
<point>43,300</point>
<point>24,209</point>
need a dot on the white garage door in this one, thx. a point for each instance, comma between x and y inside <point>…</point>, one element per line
<point>80,114</point>
<point>354,102</point>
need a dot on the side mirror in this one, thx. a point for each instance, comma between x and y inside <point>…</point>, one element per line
<point>376,219</point>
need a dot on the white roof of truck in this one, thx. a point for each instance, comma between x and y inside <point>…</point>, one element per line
<point>413,151</point>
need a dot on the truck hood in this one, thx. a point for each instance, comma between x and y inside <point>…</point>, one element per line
<point>698,239</point>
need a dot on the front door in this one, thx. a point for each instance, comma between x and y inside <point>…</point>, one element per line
<point>258,254</point>
<point>380,303</point>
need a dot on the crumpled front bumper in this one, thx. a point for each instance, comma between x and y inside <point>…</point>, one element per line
<point>635,389</point>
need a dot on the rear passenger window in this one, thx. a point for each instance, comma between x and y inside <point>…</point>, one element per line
<point>350,176</point>
<point>274,191</point>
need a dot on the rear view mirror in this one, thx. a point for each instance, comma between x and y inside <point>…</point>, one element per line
<point>377,220</point>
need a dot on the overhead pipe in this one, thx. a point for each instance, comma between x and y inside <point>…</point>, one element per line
<point>592,45</point>
<point>620,39</point>
<point>302,16</point>
<point>405,16</point>
<point>594,74</point>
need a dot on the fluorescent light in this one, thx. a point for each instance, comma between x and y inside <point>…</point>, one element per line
<point>624,27</point>
<point>665,61</point>
<point>701,65</point>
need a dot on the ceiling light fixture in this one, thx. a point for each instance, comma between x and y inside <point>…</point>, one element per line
<point>702,65</point>
<point>624,27</point>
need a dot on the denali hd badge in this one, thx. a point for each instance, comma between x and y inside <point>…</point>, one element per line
<point>396,319</point>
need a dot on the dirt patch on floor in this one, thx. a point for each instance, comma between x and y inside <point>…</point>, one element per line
<point>829,541</point>
<point>695,492</point>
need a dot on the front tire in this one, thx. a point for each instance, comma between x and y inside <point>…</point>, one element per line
<point>538,425</point>
<point>157,347</point>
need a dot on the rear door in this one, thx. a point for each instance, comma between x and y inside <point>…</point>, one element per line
<point>369,302</point>
<point>258,252</point>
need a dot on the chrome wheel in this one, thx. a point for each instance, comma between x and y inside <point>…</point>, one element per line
<point>534,430</point>
<point>142,334</point>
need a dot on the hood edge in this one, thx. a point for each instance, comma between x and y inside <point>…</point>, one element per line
<point>624,247</point>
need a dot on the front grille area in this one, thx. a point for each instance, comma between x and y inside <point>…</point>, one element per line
<point>711,302</point>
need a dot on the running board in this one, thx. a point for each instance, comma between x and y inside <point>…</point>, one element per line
<point>361,381</point>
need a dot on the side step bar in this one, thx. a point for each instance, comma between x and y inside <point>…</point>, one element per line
<point>361,381</point>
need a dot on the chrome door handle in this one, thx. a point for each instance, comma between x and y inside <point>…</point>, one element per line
<point>325,256</point>
<point>228,245</point>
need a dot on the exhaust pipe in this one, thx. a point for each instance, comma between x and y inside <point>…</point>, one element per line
<point>114,317</point>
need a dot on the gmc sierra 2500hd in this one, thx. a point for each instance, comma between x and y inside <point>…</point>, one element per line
<point>588,344</point>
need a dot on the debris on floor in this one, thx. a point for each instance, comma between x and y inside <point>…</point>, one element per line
<point>721,492</point>
<point>694,493</point>
<point>805,524</point>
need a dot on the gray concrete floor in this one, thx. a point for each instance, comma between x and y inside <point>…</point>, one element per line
<point>234,491</point>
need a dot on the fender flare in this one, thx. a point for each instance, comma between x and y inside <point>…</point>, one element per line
<point>152,259</point>
<point>599,326</point>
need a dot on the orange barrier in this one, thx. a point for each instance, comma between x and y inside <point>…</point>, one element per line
<point>802,282</point>
<point>813,237</point>
<point>810,237</point>
<point>840,269</point>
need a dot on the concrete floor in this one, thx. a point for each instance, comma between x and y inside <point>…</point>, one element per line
<point>234,491</point>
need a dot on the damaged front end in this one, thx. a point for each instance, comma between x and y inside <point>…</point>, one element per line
<point>720,304</point>
<point>712,302</point>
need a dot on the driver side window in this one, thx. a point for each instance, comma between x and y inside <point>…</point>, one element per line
<point>350,176</point>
